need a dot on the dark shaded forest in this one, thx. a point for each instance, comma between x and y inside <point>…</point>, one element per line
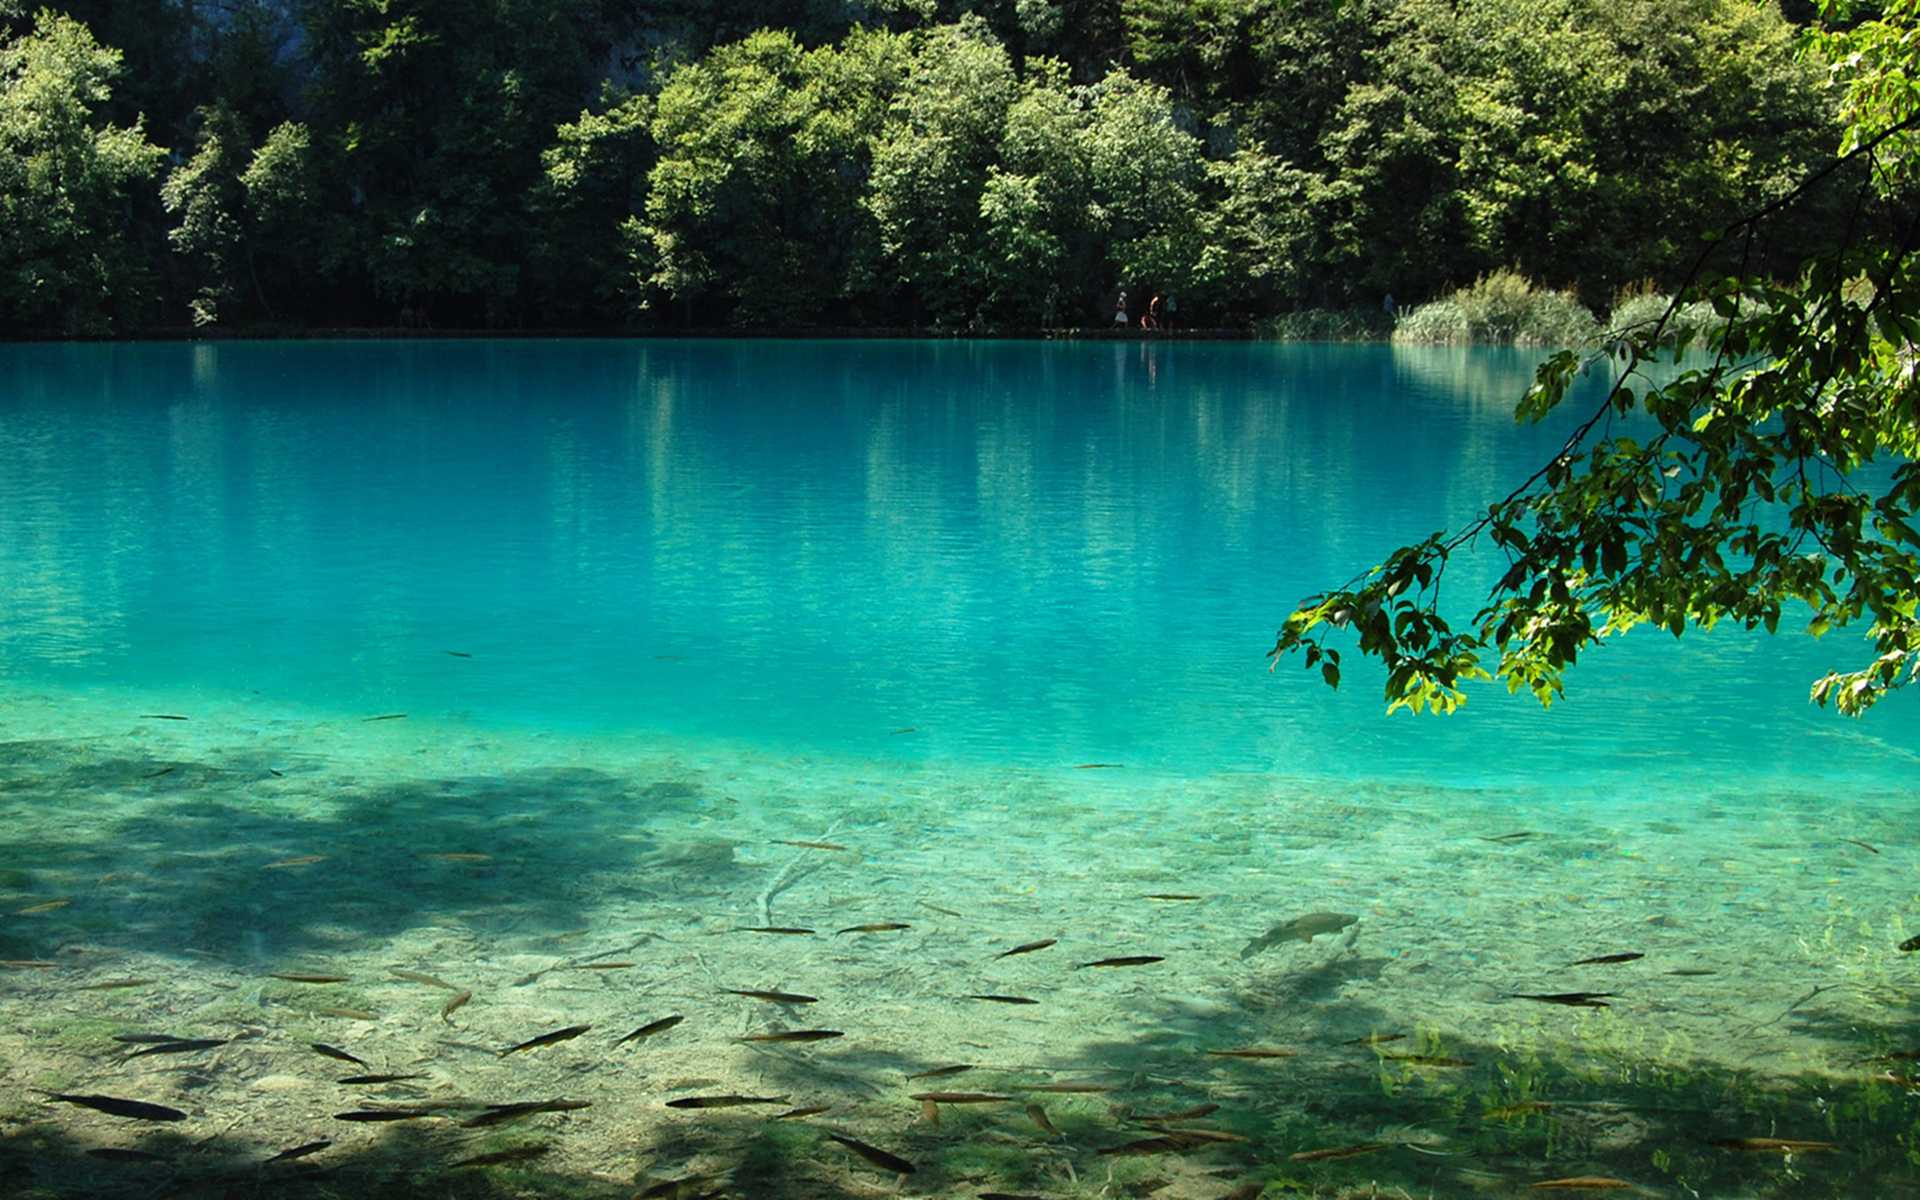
<point>953,165</point>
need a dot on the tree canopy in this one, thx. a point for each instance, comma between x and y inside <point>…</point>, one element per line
<point>1771,478</point>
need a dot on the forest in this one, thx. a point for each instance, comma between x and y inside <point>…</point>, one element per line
<point>962,166</point>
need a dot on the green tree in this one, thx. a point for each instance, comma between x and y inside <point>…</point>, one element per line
<point>1778,479</point>
<point>69,184</point>
<point>593,190</point>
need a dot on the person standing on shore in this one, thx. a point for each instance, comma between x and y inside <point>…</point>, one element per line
<point>1120,309</point>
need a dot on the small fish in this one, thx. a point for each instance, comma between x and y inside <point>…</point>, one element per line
<point>513,1154</point>
<point>49,906</point>
<point>386,717</point>
<point>876,927</point>
<point>336,1052</point>
<point>961,1097</point>
<point>723,1101</point>
<point>28,964</point>
<point>163,771</point>
<point>303,860</point>
<point>1130,960</point>
<point>138,1110</point>
<point>1171,896</point>
<point>371,1079</point>
<point>547,1039</point>
<point>794,1114</point>
<point>496,1114</point>
<point>1003,999</point>
<point>1693,971</point>
<point>1607,958</point>
<point>945,912</point>
<point>161,717</point>
<point>603,966</point>
<point>1038,1116</point>
<point>1521,836</point>
<point>147,1039</point>
<point>1428,1060</point>
<point>1861,844</point>
<point>1028,947</point>
<point>300,1151</point>
<point>281,775</point>
<point>350,1014</point>
<point>875,1155</point>
<point>1581,1183</point>
<point>453,1003</point>
<point>119,1154</point>
<point>303,977</point>
<point>114,984</point>
<point>1067,1089</point>
<point>942,1072</point>
<point>420,977</point>
<point>1152,1145</point>
<point>1254,1052</point>
<point>458,856</point>
<point>789,930</point>
<point>187,1046</point>
<point>1374,1039</point>
<point>904,729</point>
<point>1911,944</point>
<point>1300,929</point>
<point>1191,1114</point>
<point>384,1114</point>
<point>1202,1136</point>
<point>1571,999</point>
<point>773,997</point>
<point>793,1035</point>
<point>457,653</point>
<point>930,1112</point>
<point>650,1028</point>
<point>1097,766</point>
<point>1338,1152</point>
<point>1786,1145</point>
<point>809,845</point>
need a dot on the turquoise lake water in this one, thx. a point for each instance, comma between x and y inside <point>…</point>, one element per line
<point>415,700</point>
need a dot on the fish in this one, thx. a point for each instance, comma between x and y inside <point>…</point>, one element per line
<point>931,1112</point>
<point>1190,1114</point>
<point>1038,1116</point>
<point>383,1114</point>
<point>1428,1060</point>
<point>49,906</point>
<point>147,1039</point>
<point>1202,1136</point>
<point>459,856</point>
<point>1028,947</point>
<point>161,717</point>
<point>1338,1152</point>
<point>794,1114</point>
<point>280,775</point>
<point>496,1114</point>
<point>650,1028</point>
<point>447,1009</point>
<point>300,1151</point>
<point>1097,766</point>
<point>420,977</point>
<point>808,845</point>
<point>1581,1183</point>
<point>386,717</point>
<point>1861,844</point>
<point>1254,1052</point>
<point>723,1101</point>
<point>547,1039</point>
<point>1910,945</point>
<point>1300,929</point>
<point>371,1079</point>
<point>942,1072</point>
<point>945,912</point>
<point>120,1154</point>
<point>1130,960</point>
<point>1693,971</point>
<point>1607,958</point>
<point>350,1014</point>
<point>163,771</point>
<point>904,729</point>
<point>303,977</point>
<point>1374,1039</point>
<point>773,997</point>
<point>876,927</point>
<point>793,1035</point>
<point>1571,999</point>
<point>602,966</point>
<point>1787,1145</point>
<point>1067,1089</point>
<point>1003,999</point>
<point>458,653</point>
<point>114,984</point>
<point>138,1110</point>
<point>304,860</point>
<point>512,1154</point>
<point>187,1046</point>
<point>961,1097</point>
<point>28,964</point>
<point>1520,836</point>
<point>791,930</point>
<point>875,1155</point>
<point>336,1052</point>
<point>1167,1144</point>
<point>1171,896</point>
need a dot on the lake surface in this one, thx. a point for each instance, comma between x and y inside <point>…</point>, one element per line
<point>497,660</point>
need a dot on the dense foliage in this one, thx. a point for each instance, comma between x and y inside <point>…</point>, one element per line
<point>956,163</point>
<point>1772,480</point>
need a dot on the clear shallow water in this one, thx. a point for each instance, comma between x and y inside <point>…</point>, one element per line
<point>1030,554</point>
<point>702,586</point>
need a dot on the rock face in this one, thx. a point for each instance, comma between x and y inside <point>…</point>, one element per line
<point>1300,929</point>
